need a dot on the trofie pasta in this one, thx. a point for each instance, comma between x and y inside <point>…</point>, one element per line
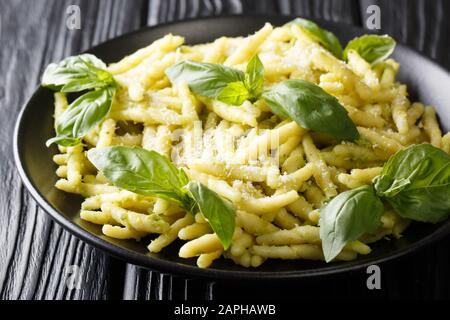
<point>276,124</point>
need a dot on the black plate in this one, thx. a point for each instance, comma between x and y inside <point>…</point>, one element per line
<point>426,81</point>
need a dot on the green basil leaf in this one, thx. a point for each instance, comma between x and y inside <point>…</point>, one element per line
<point>311,107</point>
<point>63,141</point>
<point>140,171</point>
<point>82,84</point>
<point>82,115</point>
<point>219,212</point>
<point>235,93</point>
<point>326,38</point>
<point>92,60</point>
<point>76,74</point>
<point>184,179</point>
<point>372,48</point>
<point>205,79</point>
<point>416,183</point>
<point>254,77</point>
<point>347,217</point>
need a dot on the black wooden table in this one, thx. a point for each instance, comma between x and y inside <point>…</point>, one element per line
<point>35,252</point>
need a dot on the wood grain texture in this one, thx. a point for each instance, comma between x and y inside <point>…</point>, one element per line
<point>35,251</point>
<point>334,10</point>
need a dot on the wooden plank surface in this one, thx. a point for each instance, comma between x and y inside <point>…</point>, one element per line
<point>35,252</point>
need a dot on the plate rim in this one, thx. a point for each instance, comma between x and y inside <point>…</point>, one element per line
<point>165,266</point>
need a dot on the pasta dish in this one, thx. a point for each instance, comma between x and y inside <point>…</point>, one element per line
<point>278,145</point>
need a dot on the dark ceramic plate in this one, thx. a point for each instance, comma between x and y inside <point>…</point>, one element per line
<point>426,82</point>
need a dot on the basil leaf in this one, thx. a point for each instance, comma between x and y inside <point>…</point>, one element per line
<point>63,141</point>
<point>184,179</point>
<point>140,171</point>
<point>91,60</point>
<point>81,116</point>
<point>416,183</point>
<point>76,74</point>
<point>347,217</point>
<point>371,47</point>
<point>219,213</point>
<point>204,79</point>
<point>254,77</point>
<point>235,93</point>
<point>326,38</point>
<point>96,79</point>
<point>311,107</point>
